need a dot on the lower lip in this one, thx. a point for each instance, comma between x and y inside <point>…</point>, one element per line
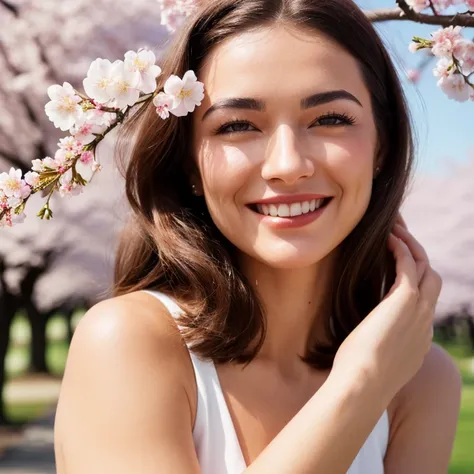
<point>292,222</point>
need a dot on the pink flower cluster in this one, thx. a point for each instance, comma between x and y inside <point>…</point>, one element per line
<point>455,62</point>
<point>174,12</point>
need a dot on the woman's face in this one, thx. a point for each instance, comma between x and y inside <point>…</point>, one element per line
<point>286,117</point>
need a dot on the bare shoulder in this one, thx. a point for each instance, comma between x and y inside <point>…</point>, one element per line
<point>125,403</point>
<point>424,417</point>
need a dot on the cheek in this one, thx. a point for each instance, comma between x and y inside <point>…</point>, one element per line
<point>351,164</point>
<point>225,171</point>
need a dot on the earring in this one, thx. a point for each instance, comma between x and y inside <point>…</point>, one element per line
<point>193,187</point>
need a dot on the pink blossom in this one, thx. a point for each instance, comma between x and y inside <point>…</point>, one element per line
<point>455,87</point>
<point>12,184</point>
<point>418,5</point>
<point>413,75</point>
<point>413,47</point>
<point>174,12</point>
<point>87,157</point>
<point>50,163</point>
<point>32,178</point>
<point>163,102</point>
<point>444,68</point>
<point>465,54</point>
<point>63,156</point>
<point>445,40</point>
<point>37,165</point>
<point>70,144</point>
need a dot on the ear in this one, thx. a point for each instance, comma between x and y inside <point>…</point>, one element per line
<point>193,177</point>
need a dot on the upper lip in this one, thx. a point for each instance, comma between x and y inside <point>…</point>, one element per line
<point>290,198</point>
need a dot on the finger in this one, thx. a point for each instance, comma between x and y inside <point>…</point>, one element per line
<point>400,220</point>
<point>405,265</point>
<point>417,250</point>
<point>430,288</point>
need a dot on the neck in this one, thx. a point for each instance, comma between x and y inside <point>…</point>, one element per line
<point>295,302</point>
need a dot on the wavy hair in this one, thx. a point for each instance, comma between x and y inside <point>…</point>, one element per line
<point>171,243</point>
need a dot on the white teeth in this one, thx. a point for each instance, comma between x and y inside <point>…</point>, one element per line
<point>287,210</point>
<point>273,210</point>
<point>295,209</point>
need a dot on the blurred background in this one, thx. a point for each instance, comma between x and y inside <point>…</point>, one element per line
<point>52,272</point>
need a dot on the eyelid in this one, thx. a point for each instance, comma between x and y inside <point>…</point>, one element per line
<point>345,118</point>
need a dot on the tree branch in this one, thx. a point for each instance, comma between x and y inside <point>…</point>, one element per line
<point>12,8</point>
<point>14,161</point>
<point>386,14</point>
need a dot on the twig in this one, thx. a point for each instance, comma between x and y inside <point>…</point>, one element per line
<point>386,14</point>
<point>12,8</point>
<point>433,9</point>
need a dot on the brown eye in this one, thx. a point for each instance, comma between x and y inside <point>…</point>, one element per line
<point>236,126</point>
<point>334,120</point>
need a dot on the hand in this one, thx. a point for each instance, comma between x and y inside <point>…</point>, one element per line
<point>388,347</point>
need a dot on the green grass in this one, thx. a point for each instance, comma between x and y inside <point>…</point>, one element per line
<point>24,412</point>
<point>462,459</point>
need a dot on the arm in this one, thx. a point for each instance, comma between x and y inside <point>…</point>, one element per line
<point>123,406</point>
<point>425,418</point>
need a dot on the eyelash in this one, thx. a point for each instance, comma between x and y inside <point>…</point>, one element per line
<point>346,119</point>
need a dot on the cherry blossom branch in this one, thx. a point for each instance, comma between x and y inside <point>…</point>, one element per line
<point>12,8</point>
<point>111,92</point>
<point>399,14</point>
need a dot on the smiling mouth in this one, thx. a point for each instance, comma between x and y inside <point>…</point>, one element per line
<point>291,209</point>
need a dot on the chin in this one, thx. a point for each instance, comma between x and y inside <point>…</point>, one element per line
<point>289,257</point>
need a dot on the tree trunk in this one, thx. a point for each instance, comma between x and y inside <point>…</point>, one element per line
<point>38,341</point>
<point>8,309</point>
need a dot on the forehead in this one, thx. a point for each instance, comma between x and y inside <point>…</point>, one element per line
<point>280,62</point>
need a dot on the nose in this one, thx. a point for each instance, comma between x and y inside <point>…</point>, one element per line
<point>284,159</point>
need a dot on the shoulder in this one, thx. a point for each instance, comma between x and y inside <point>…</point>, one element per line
<point>127,379</point>
<point>424,417</point>
<point>438,380</point>
<point>131,330</point>
<point>129,322</point>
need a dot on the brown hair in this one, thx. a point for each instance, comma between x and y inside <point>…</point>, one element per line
<point>172,245</point>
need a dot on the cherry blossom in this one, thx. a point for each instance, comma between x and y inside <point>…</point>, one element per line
<point>98,79</point>
<point>187,93</point>
<point>63,109</point>
<point>123,89</point>
<point>455,87</point>
<point>175,12</point>
<point>144,63</point>
<point>93,122</point>
<point>445,40</point>
<point>163,103</point>
<point>13,186</point>
<point>413,75</point>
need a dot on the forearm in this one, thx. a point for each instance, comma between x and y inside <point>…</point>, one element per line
<point>327,433</point>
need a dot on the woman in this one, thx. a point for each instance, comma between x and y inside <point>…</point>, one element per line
<point>266,224</point>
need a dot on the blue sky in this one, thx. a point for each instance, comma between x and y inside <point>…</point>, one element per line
<point>445,128</point>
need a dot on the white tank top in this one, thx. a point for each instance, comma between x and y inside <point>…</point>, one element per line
<point>215,439</point>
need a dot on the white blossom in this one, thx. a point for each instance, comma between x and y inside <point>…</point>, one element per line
<point>98,80</point>
<point>143,62</point>
<point>63,109</point>
<point>123,88</point>
<point>187,93</point>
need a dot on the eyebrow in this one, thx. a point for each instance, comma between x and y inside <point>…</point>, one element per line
<point>259,105</point>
